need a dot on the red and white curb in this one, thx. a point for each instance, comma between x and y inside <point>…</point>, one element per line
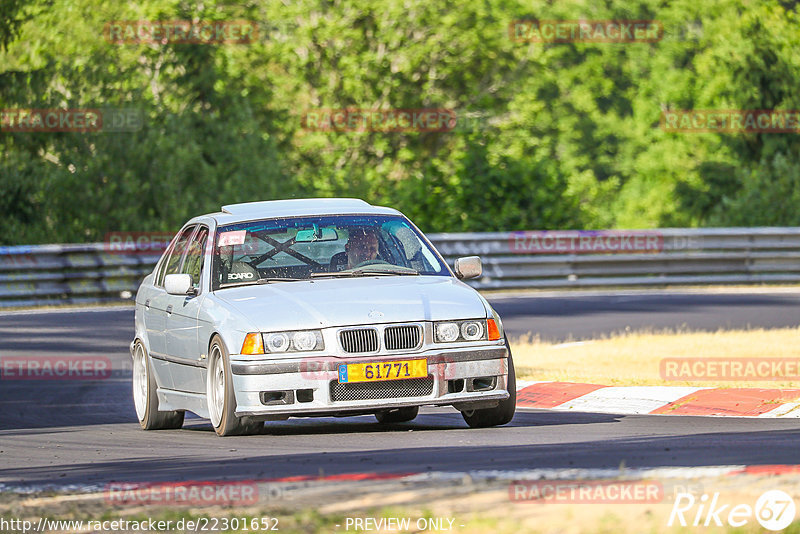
<point>659,400</point>
<point>301,483</point>
<point>291,484</point>
<point>609,473</point>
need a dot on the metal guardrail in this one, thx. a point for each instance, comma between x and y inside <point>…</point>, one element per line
<point>58,274</point>
<point>683,257</point>
<point>40,275</point>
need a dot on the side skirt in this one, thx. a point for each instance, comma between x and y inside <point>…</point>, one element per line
<point>169,399</point>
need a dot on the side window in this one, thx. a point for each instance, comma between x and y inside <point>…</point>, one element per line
<point>173,262</point>
<point>195,255</point>
<point>162,267</point>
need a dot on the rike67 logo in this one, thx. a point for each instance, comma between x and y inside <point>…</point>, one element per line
<point>774,510</point>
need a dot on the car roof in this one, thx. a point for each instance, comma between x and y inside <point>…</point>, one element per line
<point>249,211</point>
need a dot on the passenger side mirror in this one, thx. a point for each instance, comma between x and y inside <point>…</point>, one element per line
<point>179,284</point>
<point>468,267</point>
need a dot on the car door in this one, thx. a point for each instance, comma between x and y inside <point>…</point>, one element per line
<point>156,309</point>
<point>182,328</point>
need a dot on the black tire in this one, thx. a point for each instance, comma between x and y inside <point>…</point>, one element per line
<point>151,418</point>
<point>398,415</point>
<point>501,414</point>
<point>228,424</point>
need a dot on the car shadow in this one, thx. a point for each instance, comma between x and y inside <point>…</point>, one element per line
<point>435,421</point>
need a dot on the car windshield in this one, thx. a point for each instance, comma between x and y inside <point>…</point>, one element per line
<point>299,248</point>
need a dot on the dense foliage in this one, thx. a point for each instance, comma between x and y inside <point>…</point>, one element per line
<point>560,136</point>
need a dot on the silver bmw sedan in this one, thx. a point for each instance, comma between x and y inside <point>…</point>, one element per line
<point>309,308</point>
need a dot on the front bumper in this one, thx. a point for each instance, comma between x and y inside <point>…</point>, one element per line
<point>309,386</point>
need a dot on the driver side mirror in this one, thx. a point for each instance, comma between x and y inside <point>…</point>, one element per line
<point>468,267</point>
<point>179,284</point>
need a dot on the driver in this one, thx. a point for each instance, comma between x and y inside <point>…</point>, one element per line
<point>361,246</point>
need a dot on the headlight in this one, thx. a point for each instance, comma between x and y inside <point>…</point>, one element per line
<point>277,342</point>
<point>472,331</point>
<point>448,332</point>
<point>304,341</point>
<point>299,341</point>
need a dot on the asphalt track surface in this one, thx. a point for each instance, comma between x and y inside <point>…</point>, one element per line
<point>63,433</point>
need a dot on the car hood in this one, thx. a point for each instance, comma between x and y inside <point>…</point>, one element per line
<point>353,301</point>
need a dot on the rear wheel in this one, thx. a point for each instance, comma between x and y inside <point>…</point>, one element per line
<point>504,411</point>
<point>220,397</point>
<point>145,396</point>
<point>398,415</point>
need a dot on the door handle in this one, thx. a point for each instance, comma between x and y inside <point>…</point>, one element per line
<point>169,309</point>
<point>147,304</point>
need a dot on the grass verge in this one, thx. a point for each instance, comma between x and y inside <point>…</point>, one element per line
<point>634,359</point>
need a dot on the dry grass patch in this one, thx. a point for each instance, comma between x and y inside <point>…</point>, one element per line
<point>633,359</point>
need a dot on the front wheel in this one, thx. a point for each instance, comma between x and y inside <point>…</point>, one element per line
<point>220,397</point>
<point>145,396</point>
<point>504,411</point>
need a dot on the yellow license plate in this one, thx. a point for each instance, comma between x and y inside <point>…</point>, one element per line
<point>376,371</point>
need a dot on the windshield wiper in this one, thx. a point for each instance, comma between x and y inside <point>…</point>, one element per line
<point>259,282</point>
<point>235,284</point>
<point>366,272</point>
